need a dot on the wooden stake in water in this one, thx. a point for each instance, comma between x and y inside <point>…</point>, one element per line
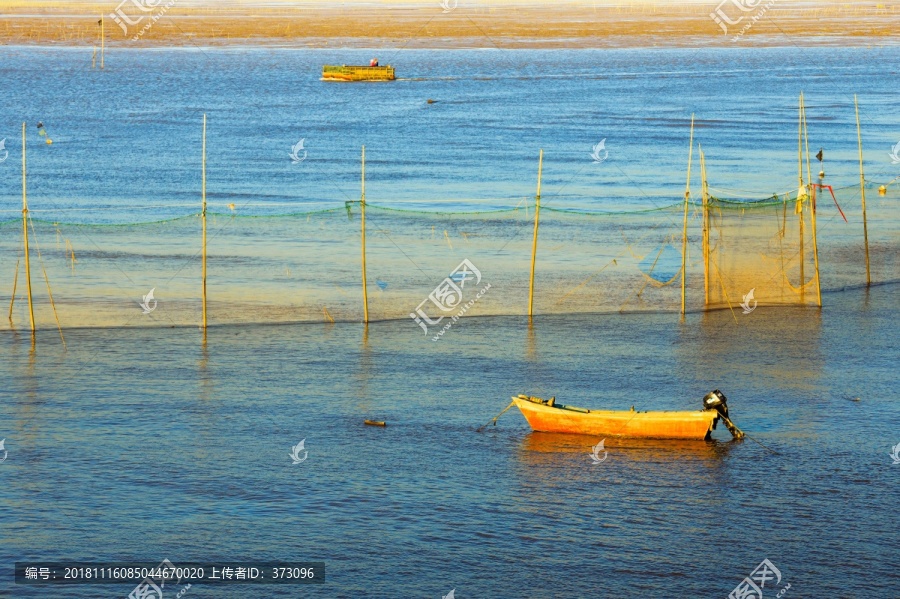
<point>102,40</point>
<point>806,143</point>
<point>801,193</point>
<point>25,230</point>
<point>705,190</point>
<point>862,190</point>
<point>812,210</point>
<point>537,211</point>
<point>203,214</point>
<point>362,204</point>
<point>800,142</point>
<point>687,196</point>
<point>47,280</point>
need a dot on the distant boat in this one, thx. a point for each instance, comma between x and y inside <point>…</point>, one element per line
<point>357,73</point>
<point>545,415</point>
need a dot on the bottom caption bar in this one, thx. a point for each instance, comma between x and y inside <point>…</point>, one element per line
<point>151,578</point>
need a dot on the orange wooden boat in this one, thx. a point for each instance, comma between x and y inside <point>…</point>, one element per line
<point>357,73</point>
<point>545,415</point>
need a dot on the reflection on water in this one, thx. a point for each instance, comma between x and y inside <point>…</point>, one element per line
<point>631,450</point>
<point>147,444</point>
<point>364,371</point>
<point>786,340</point>
<point>530,343</point>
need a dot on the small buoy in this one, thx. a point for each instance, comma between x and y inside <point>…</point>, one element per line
<point>375,423</point>
<point>49,141</point>
<point>821,174</point>
<point>882,190</point>
<point>430,101</point>
<point>231,207</point>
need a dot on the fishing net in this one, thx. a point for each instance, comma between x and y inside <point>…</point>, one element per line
<point>430,267</point>
<point>842,243</point>
<point>761,253</point>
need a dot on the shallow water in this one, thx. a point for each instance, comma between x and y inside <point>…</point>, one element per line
<point>127,140</point>
<point>143,444</point>
<point>127,147</point>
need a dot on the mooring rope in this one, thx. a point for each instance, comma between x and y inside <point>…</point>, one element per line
<point>496,417</point>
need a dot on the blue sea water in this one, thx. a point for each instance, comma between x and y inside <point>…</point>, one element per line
<point>146,444</point>
<point>127,141</point>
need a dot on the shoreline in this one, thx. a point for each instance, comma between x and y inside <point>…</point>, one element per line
<point>374,46</point>
<point>513,26</point>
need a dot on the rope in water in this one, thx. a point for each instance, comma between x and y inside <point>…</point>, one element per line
<point>496,417</point>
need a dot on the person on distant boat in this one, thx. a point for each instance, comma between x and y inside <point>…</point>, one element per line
<point>374,62</point>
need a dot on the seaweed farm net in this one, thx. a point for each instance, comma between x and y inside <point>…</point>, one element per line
<point>307,267</point>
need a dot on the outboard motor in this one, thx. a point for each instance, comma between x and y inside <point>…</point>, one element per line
<point>717,401</point>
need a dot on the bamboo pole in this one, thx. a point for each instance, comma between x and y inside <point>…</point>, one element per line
<point>812,207</point>
<point>815,248</point>
<point>102,40</point>
<point>537,210</point>
<point>806,142</point>
<point>705,190</point>
<point>687,195</point>
<point>25,230</point>
<point>204,222</point>
<point>47,280</point>
<point>362,204</point>
<point>862,189</point>
<point>800,143</point>
<point>801,192</point>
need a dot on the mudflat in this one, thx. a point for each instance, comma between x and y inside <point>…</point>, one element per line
<point>448,24</point>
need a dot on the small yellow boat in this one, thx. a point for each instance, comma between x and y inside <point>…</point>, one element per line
<point>357,73</point>
<point>548,416</point>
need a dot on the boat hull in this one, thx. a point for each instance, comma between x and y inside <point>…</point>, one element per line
<point>654,425</point>
<point>357,73</point>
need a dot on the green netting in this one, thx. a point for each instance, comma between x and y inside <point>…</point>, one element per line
<point>307,267</point>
